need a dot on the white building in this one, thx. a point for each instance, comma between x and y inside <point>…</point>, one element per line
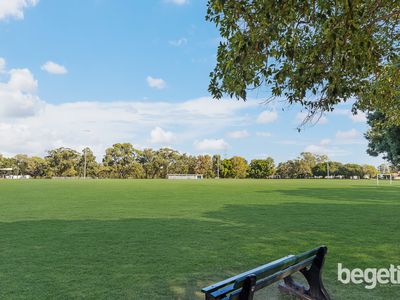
<point>4,172</point>
<point>185,176</point>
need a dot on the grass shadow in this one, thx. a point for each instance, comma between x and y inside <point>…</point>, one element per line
<point>172,258</point>
<point>350,194</point>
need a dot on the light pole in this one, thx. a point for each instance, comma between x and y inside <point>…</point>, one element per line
<point>84,157</point>
<point>85,164</point>
<point>327,168</point>
<point>219,161</point>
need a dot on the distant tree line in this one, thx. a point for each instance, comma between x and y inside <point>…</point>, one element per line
<point>309,165</point>
<point>122,160</point>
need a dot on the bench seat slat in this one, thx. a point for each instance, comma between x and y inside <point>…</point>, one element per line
<point>273,269</point>
<point>236,282</point>
<point>245,284</point>
<point>276,277</point>
<point>284,273</point>
<point>236,286</point>
<point>232,279</point>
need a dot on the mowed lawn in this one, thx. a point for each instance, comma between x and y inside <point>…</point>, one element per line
<point>161,239</point>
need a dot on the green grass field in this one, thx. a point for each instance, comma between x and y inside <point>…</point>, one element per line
<point>160,239</point>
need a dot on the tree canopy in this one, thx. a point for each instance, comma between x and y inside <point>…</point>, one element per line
<point>261,168</point>
<point>315,53</point>
<point>123,161</point>
<point>62,162</point>
<point>383,139</point>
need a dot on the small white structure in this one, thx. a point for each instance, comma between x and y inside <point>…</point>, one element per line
<point>18,177</point>
<point>5,172</point>
<point>185,176</point>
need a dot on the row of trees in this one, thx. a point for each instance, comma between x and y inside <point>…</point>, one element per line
<point>124,161</point>
<point>121,160</point>
<point>309,165</point>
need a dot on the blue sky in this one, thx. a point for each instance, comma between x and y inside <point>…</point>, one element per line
<point>95,72</point>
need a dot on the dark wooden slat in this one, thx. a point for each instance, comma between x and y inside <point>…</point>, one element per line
<point>274,271</point>
<point>274,268</point>
<point>217,294</point>
<point>276,277</point>
<point>223,291</point>
<point>284,273</point>
<point>220,284</point>
<point>263,271</point>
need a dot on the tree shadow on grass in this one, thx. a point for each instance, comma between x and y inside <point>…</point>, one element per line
<point>95,259</point>
<point>172,258</point>
<point>358,235</point>
<point>366,194</point>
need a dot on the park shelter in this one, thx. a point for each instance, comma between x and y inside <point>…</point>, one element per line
<point>5,172</point>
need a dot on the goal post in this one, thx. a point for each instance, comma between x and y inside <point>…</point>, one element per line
<point>385,173</point>
<point>185,176</point>
<point>384,176</point>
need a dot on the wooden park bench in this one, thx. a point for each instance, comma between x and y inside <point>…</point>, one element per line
<point>243,286</point>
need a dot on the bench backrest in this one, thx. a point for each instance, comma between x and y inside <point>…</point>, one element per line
<point>235,287</point>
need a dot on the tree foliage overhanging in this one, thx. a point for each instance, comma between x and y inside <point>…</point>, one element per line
<point>383,139</point>
<point>317,53</point>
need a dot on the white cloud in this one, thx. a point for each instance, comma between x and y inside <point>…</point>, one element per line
<point>327,147</point>
<point>324,150</point>
<point>349,137</point>
<point>22,80</point>
<point>238,134</point>
<point>208,105</point>
<point>341,111</point>
<point>360,117</point>
<point>350,134</point>
<point>316,149</point>
<point>18,95</point>
<point>325,142</point>
<point>178,2</point>
<point>160,136</point>
<point>333,148</point>
<point>45,126</point>
<point>211,144</point>
<point>267,117</point>
<point>179,42</point>
<point>157,83</point>
<point>15,8</point>
<point>264,133</point>
<point>2,64</point>
<point>54,68</point>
